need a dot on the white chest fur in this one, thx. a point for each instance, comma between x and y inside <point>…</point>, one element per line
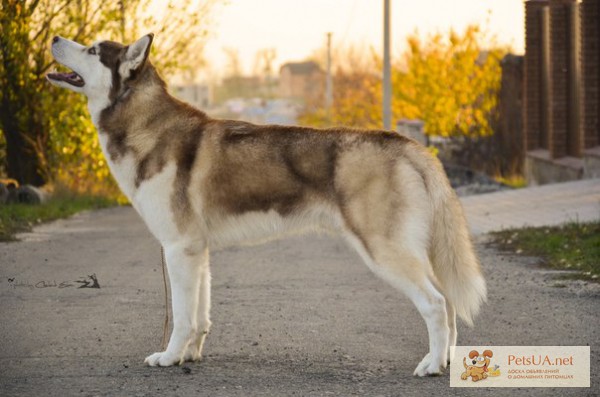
<point>151,198</point>
<point>123,168</point>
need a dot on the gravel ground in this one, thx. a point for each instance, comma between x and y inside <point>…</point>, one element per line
<point>300,316</point>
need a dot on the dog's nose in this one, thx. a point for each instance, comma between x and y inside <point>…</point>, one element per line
<point>55,39</point>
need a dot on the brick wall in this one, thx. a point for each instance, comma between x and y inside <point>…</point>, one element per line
<point>559,34</point>
<point>532,100</point>
<point>590,27</point>
<point>510,138</point>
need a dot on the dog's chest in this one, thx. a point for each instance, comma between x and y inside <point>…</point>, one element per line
<point>123,168</point>
<point>151,198</point>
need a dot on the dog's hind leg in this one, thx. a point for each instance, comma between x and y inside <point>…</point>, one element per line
<point>431,304</point>
<point>185,263</point>
<point>412,274</point>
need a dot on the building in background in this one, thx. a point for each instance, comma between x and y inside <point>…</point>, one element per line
<point>197,95</point>
<point>303,81</point>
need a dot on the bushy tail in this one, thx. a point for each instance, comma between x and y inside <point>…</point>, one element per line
<point>454,261</point>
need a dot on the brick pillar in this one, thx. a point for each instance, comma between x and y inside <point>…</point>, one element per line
<point>510,115</point>
<point>566,128</point>
<point>590,31</point>
<point>534,123</point>
<point>545,80</point>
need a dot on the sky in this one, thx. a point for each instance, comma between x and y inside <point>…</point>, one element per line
<point>297,28</point>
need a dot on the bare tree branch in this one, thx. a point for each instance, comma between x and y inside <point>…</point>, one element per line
<point>32,7</point>
<point>80,31</point>
<point>48,21</point>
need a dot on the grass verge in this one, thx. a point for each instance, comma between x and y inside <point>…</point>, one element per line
<point>572,246</point>
<point>15,218</point>
<point>515,181</point>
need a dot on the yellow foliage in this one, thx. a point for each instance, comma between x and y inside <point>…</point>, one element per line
<point>55,123</point>
<point>357,91</point>
<point>514,181</point>
<point>448,81</point>
<point>433,150</point>
<point>451,84</point>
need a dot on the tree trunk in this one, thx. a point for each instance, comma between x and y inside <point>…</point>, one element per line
<point>22,161</point>
<point>19,96</point>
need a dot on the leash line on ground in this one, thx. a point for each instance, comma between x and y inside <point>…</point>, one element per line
<point>166,323</point>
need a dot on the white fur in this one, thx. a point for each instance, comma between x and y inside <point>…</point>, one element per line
<point>97,77</point>
<point>185,274</point>
<point>123,169</point>
<point>152,198</point>
<point>259,227</point>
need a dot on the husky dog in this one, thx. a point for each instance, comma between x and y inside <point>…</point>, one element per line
<point>200,182</point>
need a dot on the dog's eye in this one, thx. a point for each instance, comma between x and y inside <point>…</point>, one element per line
<point>92,51</point>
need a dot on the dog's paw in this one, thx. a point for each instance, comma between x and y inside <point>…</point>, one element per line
<point>163,359</point>
<point>192,353</point>
<point>427,367</point>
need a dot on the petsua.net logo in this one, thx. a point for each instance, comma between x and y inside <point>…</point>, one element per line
<point>520,366</point>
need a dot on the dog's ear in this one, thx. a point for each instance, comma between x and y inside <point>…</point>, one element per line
<point>473,354</point>
<point>488,353</point>
<point>135,57</point>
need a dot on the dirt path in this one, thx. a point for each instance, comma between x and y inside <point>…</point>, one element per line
<point>300,316</point>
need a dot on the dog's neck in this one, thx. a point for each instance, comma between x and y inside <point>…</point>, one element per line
<point>104,104</point>
<point>133,121</point>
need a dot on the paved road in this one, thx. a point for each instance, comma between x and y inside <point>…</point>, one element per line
<point>536,206</point>
<point>300,316</point>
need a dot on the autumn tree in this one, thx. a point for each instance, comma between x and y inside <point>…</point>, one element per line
<point>233,84</point>
<point>450,81</point>
<point>263,67</point>
<point>356,93</point>
<point>46,131</point>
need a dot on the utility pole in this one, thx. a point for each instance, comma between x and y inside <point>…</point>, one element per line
<point>387,81</point>
<point>329,80</point>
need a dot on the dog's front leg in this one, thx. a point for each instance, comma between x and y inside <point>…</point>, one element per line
<point>194,349</point>
<point>185,264</point>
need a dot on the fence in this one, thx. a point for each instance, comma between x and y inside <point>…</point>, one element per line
<point>561,112</point>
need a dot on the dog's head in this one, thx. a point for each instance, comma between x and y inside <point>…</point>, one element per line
<point>480,361</point>
<point>99,71</point>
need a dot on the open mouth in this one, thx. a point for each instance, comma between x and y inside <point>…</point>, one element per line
<point>70,78</point>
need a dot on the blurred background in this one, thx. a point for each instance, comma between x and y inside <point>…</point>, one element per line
<point>503,91</point>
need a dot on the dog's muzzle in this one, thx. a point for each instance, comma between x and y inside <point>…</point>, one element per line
<point>71,78</point>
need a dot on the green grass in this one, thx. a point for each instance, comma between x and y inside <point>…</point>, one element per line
<point>572,246</point>
<point>515,181</point>
<point>15,218</point>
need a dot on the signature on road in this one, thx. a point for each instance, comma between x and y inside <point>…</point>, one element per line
<point>90,281</point>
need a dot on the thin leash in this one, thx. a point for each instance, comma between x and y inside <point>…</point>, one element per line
<point>166,324</point>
